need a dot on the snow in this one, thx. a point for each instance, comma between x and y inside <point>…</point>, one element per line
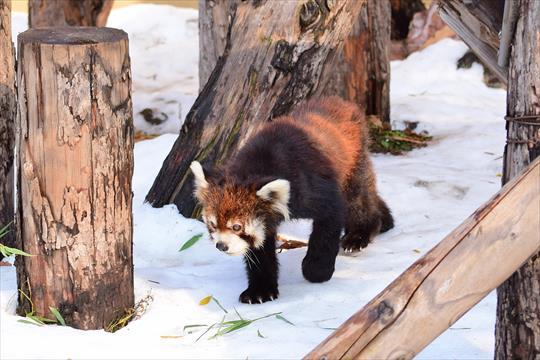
<point>430,191</point>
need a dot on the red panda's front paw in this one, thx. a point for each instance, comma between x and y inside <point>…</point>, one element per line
<point>258,295</point>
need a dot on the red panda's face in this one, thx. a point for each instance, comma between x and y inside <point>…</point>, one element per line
<point>236,214</point>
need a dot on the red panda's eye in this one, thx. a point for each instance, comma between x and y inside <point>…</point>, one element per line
<point>237,227</point>
<point>211,225</point>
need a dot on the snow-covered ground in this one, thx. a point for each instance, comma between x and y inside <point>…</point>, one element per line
<point>430,191</point>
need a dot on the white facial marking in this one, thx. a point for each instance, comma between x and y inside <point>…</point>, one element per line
<point>256,228</point>
<point>200,181</point>
<point>277,191</point>
<point>236,245</point>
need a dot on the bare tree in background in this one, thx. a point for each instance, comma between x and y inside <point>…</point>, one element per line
<point>42,13</point>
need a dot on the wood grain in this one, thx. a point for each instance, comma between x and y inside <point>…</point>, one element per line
<point>441,286</point>
<point>75,164</point>
<point>7,120</point>
<point>478,24</point>
<point>517,331</point>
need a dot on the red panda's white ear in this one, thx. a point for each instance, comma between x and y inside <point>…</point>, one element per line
<point>200,181</point>
<point>277,191</point>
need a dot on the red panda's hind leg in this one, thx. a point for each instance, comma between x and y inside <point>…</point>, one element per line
<point>367,213</point>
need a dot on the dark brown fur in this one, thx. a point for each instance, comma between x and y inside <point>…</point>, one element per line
<point>321,149</point>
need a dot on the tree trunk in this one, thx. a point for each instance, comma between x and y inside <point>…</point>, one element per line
<point>361,75</point>
<point>214,19</point>
<point>274,58</point>
<point>7,120</point>
<point>518,308</point>
<point>75,163</point>
<point>43,13</point>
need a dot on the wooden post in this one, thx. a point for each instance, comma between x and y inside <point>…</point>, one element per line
<point>274,58</point>
<point>75,163</point>
<point>478,24</point>
<point>7,119</point>
<point>517,331</point>
<point>439,288</point>
<point>51,13</point>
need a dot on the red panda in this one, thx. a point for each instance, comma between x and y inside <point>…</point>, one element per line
<point>313,163</point>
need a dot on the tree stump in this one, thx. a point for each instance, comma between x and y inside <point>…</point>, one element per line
<point>74,170</point>
<point>274,57</point>
<point>50,13</point>
<point>517,331</point>
<point>7,120</point>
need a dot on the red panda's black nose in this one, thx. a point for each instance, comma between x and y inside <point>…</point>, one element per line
<point>222,246</point>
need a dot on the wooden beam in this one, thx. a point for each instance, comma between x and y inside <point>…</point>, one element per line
<point>440,287</point>
<point>478,24</point>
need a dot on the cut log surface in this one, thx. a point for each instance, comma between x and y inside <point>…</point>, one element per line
<point>75,164</point>
<point>517,331</point>
<point>445,283</point>
<point>274,57</point>
<point>45,13</point>
<point>478,23</point>
<point>7,120</point>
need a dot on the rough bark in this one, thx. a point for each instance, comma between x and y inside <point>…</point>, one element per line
<point>361,75</point>
<point>362,71</point>
<point>478,24</point>
<point>44,13</point>
<point>274,58</point>
<point>518,307</point>
<point>7,120</point>
<point>75,163</point>
<point>214,19</point>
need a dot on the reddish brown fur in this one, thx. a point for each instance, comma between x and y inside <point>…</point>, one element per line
<point>337,135</point>
<point>230,202</point>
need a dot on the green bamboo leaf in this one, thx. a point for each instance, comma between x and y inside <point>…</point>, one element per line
<point>35,318</point>
<point>12,251</point>
<point>194,326</point>
<point>219,304</point>
<point>237,313</point>
<point>206,331</point>
<point>24,321</point>
<point>283,319</point>
<point>191,242</point>
<point>4,230</point>
<point>241,324</point>
<point>42,319</point>
<point>260,335</point>
<point>57,315</point>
